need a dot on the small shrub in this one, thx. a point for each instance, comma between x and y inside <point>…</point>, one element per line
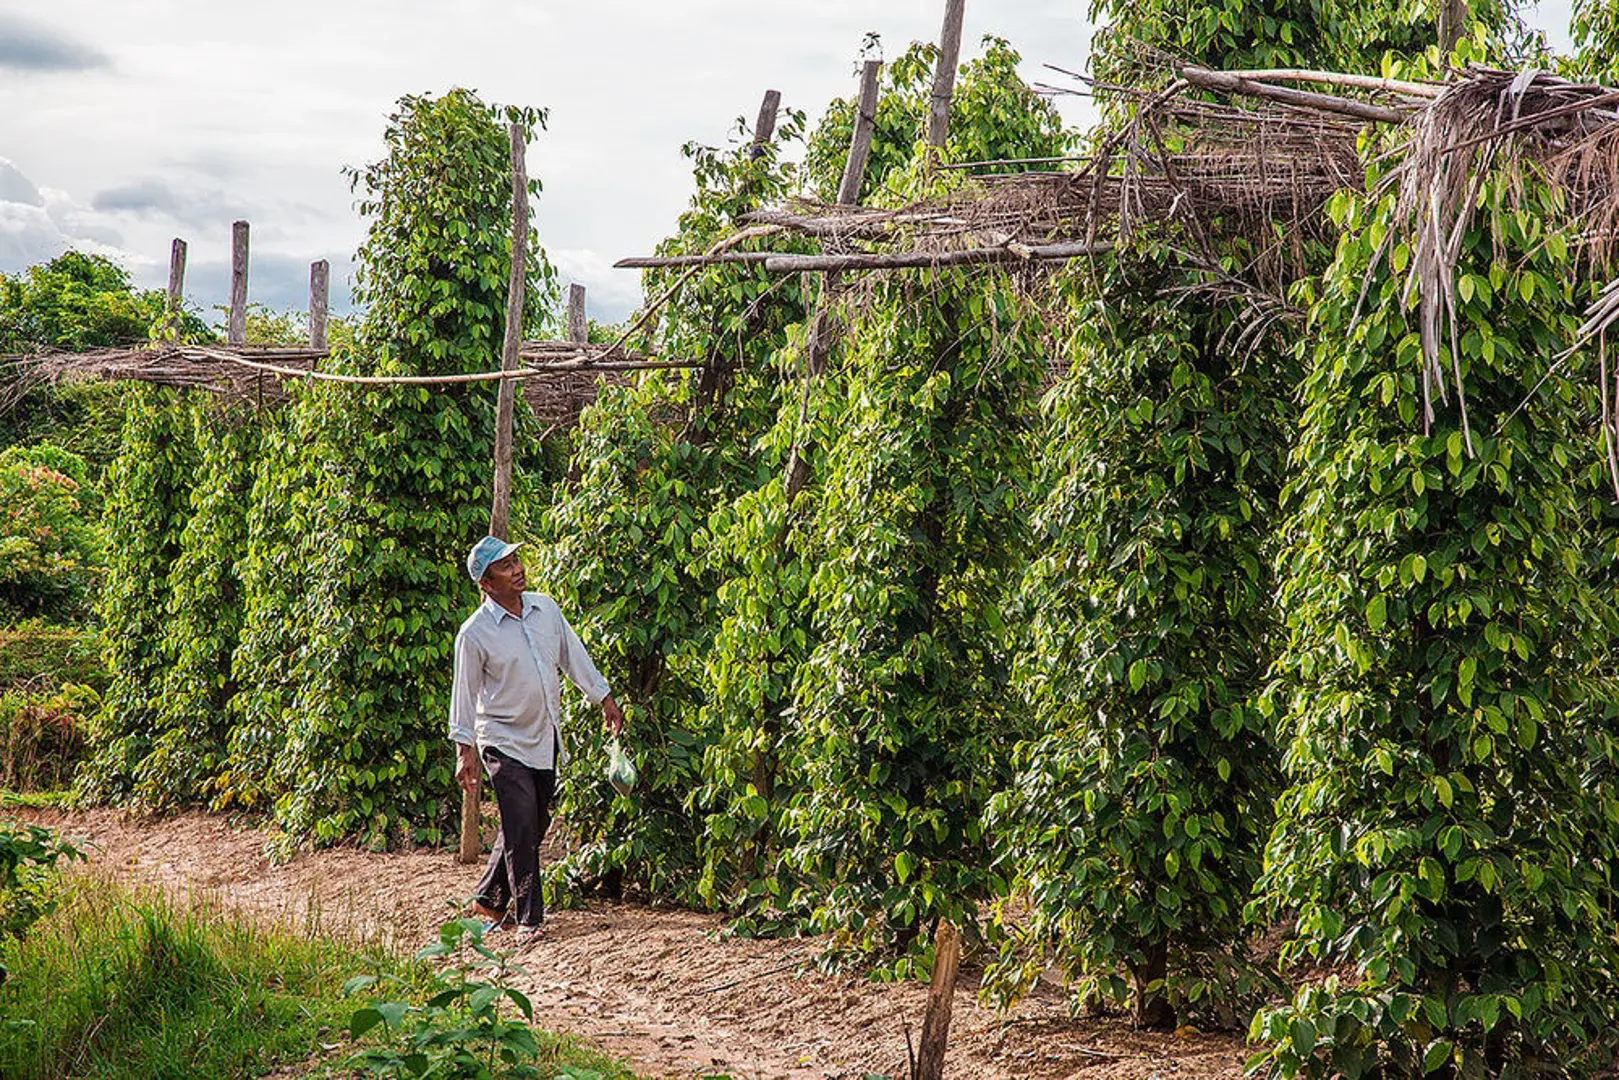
<point>44,736</point>
<point>28,854</point>
<point>50,546</point>
<point>34,651</point>
<point>466,1024</point>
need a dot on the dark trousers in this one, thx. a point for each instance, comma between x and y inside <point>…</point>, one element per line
<point>512,878</point>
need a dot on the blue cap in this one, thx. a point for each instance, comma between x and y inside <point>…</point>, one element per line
<point>485,553</point>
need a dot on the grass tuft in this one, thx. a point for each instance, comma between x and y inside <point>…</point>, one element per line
<point>117,985</point>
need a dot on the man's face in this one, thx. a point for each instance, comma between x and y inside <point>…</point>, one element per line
<point>504,575</point>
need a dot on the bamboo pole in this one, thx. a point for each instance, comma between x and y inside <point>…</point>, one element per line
<point>1338,78</point>
<point>529,371</point>
<point>1229,83</point>
<point>944,77</point>
<point>640,262</point>
<point>941,998</point>
<point>925,260</point>
<point>319,297</point>
<point>177,281</point>
<point>236,329</point>
<point>865,123</point>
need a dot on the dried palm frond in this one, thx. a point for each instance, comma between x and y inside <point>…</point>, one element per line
<point>1530,117</point>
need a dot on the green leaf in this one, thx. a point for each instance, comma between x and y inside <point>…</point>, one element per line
<point>1303,1036</point>
<point>363,1021</point>
<point>1439,1052</point>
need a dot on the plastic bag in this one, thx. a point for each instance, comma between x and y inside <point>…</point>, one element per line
<point>620,769</point>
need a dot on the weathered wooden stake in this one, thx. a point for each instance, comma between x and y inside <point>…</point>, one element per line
<point>578,325</point>
<point>177,283</point>
<point>865,122</point>
<point>1452,23</point>
<point>319,296</point>
<point>500,509</point>
<point>764,128</point>
<point>941,996</point>
<point>236,329</point>
<point>944,77</point>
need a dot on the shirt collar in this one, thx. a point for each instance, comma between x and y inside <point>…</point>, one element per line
<point>496,612</point>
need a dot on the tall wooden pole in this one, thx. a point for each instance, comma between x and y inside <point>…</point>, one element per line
<point>941,998</point>
<point>500,509</point>
<point>1452,23</point>
<point>764,128</point>
<point>865,122</point>
<point>236,329</point>
<point>944,78</point>
<point>578,325</point>
<point>319,298</point>
<point>177,286</point>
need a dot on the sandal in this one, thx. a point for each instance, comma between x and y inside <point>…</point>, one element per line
<point>529,935</point>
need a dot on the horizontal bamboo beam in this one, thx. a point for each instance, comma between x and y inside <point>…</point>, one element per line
<point>533,370</point>
<point>925,260</point>
<point>1338,78</point>
<point>1229,83</point>
<point>638,262</point>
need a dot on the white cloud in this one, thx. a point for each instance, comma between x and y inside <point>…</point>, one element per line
<point>610,294</point>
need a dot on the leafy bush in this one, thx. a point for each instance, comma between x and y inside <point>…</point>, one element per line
<point>1135,824</point>
<point>35,652</point>
<point>148,505</point>
<point>918,532</point>
<point>29,855</point>
<point>361,516</point>
<point>1446,838</point>
<point>994,116</point>
<point>50,543</point>
<point>190,723</point>
<point>44,736</point>
<point>622,546</point>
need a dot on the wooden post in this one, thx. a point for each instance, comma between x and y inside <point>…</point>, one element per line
<point>177,282</point>
<point>865,122</point>
<point>764,128</point>
<point>944,78</point>
<point>941,996</point>
<point>319,296</point>
<point>236,330</point>
<point>500,509</point>
<point>578,325</point>
<point>1452,23</point>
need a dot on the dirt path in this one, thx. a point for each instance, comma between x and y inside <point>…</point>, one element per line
<point>657,987</point>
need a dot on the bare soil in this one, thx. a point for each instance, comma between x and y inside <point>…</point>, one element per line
<point>660,988</point>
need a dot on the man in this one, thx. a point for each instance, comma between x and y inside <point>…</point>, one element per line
<point>505,706</point>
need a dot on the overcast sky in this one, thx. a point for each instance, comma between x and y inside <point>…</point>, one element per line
<point>123,124</point>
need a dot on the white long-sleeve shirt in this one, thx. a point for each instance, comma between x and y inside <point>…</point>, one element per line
<point>506,693</point>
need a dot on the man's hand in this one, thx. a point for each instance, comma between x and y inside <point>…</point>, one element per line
<point>611,714</point>
<point>466,767</point>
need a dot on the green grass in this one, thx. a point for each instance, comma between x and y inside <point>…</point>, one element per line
<point>118,986</point>
<point>37,800</point>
